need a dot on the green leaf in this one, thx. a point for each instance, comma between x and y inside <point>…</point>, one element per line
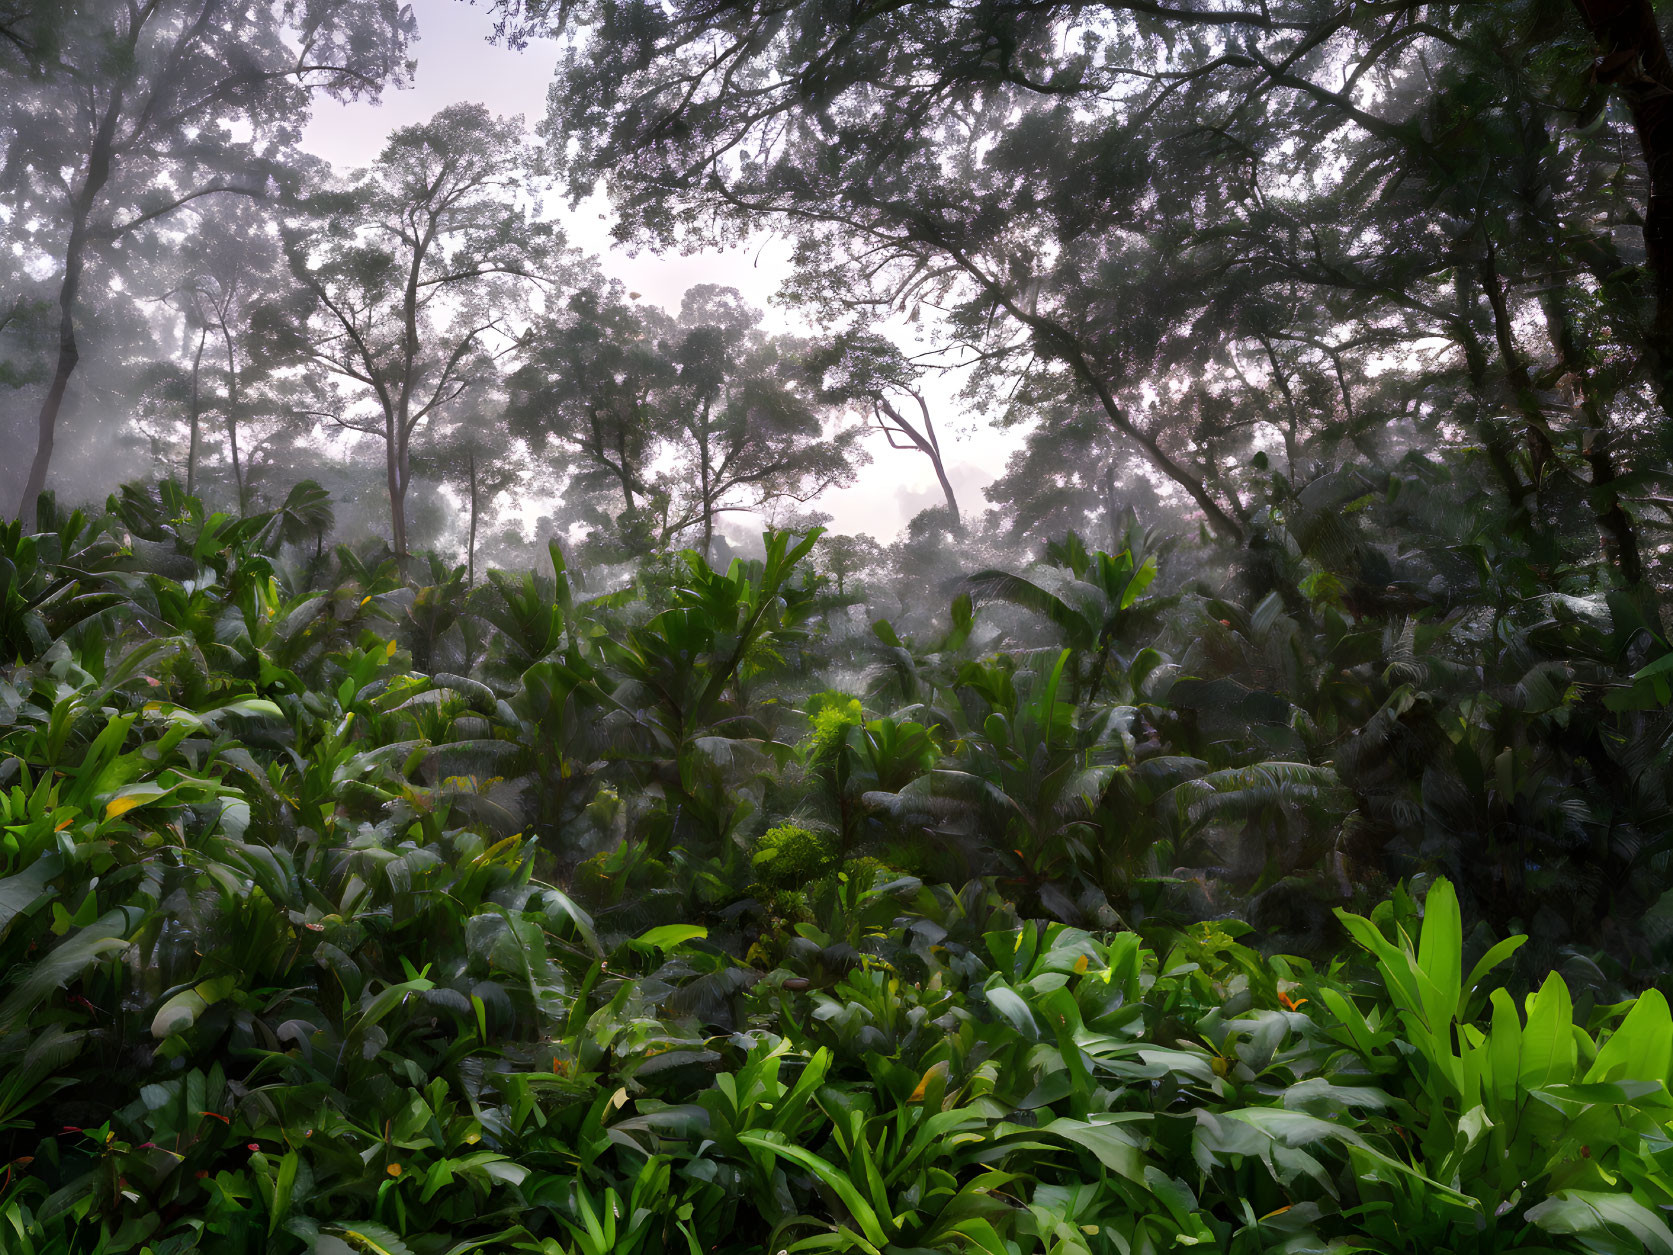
<point>1603,1222</point>
<point>132,797</point>
<point>99,940</point>
<point>1115,1148</point>
<point>253,707</point>
<point>671,936</point>
<point>1293,1128</point>
<point>837,1180</point>
<point>1495,956</point>
<point>1504,1048</point>
<point>181,1011</point>
<point>27,891</point>
<point>283,1188</point>
<point>1548,1040</point>
<point>1009,1006</point>
<point>994,585</point>
<point>476,1244</point>
<point>1661,666</point>
<point>1641,1049</point>
<point>1440,953</point>
<point>368,1235</point>
<point>1141,580</point>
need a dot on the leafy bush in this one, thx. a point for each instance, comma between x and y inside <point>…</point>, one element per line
<point>832,715</point>
<point>789,857</point>
<point>307,949</point>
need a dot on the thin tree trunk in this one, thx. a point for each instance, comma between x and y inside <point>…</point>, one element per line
<point>397,493</point>
<point>1499,453</point>
<point>470,545</point>
<point>704,468</point>
<point>99,162</point>
<point>1058,342</point>
<point>927,444</point>
<point>1535,428</point>
<point>196,411</point>
<point>622,472</point>
<point>947,490</point>
<point>232,415</point>
<point>397,498</point>
<point>1111,521</point>
<point>1290,428</point>
<point>399,424</point>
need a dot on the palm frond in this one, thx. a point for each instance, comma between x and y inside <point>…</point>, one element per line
<point>1015,590</point>
<point>1246,790</point>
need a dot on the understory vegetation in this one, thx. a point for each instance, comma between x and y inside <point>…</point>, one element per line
<point>341,911</point>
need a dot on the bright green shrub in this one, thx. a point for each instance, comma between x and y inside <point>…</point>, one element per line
<point>791,857</point>
<point>832,714</point>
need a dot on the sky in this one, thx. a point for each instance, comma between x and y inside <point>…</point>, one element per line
<point>458,62</point>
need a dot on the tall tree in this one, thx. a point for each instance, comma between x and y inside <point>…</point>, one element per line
<point>1384,179</point>
<point>687,418</point>
<point>229,378</point>
<point>868,369</point>
<point>917,153</point>
<point>475,454</point>
<point>596,371</point>
<point>1070,476</point>
<point>1633,61</point>
<point>116,115</point>
<point>744,431</point>
<point>419,283</point>
<point>236,287</point>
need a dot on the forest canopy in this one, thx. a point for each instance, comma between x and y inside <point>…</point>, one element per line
<point>460,789</point>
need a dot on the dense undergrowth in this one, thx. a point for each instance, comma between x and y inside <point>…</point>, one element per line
<point>347,912</point>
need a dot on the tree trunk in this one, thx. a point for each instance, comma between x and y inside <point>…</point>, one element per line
<point>232,415</point>
<point>947,490</point>
<point>1058,342</point>
<point>704,469</point>
<point>1112,521</point>
<point>1615,531</point>
<point>622,472</point>
<point>470,544</point>
<point>99,161</point>
<point>1291,428</point>
<point>196,410</point>
<point>1635,62</point>
<point>1616,535</point>
<point>397,494</point>
<point>927,444</point>
<point>1499,450</point>
<point>399,424</point>
<point>1535,429</point>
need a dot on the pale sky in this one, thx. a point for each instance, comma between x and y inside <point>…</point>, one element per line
<point>456,62</point>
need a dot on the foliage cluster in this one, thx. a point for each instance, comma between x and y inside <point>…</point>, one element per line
<point>342,913</point>
<point>349,902</point>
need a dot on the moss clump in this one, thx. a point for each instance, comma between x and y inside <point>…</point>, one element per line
<point>791,857</point>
